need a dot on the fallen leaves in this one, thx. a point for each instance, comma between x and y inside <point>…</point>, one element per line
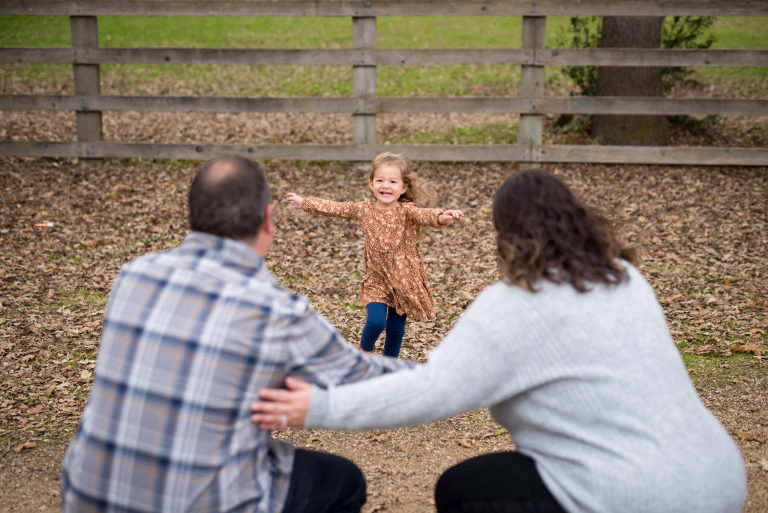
<point>51,322</point>
<point>702,234</point>
<point>748,348</point>
<point>749,437</point>
<point>24,446</point>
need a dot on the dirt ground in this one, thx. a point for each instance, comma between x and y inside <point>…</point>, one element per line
<point>702,234</point>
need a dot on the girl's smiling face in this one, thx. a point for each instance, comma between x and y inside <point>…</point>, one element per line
<point>387,185</point>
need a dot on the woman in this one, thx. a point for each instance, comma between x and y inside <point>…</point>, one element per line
<point>571,353</point>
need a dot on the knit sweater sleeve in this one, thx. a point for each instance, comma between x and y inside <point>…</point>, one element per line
<point>462,373</point>
<point>423,216</point>
<point>345,209</point>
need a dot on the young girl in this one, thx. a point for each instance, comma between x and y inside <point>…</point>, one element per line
<point>395,285</point>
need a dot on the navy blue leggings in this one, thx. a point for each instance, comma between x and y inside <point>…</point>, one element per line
<point>381,317</point>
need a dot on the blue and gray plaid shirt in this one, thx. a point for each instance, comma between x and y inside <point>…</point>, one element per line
<point>190,336</point>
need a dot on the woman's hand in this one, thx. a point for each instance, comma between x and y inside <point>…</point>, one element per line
<point>281,408</point>
<point>449,216</point>
<point>294,200</point>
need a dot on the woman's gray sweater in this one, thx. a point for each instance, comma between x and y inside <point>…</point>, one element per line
<point>590,385</point>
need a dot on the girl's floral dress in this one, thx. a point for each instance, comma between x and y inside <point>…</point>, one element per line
<point>394,269</point>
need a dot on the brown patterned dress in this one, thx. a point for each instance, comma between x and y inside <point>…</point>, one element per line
<point>394,269</point>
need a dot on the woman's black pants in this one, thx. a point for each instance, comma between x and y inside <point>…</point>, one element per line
<point>505,482</point>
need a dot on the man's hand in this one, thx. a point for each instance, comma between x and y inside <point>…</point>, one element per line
<point>294,200</point>
<point>280,408</point>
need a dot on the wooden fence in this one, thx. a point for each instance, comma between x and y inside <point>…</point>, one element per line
<point>86,56</point>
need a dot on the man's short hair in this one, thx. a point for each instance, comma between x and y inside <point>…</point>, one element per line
<point>229,197</point>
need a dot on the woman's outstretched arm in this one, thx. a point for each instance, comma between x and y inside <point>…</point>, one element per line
<point>468,370</point>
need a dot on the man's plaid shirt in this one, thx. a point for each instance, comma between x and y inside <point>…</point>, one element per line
<point>190,336</point>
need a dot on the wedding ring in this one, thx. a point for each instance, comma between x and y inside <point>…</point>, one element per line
<point>284,419</point>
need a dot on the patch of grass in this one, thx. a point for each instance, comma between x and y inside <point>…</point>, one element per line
<point>84,353</point>
<point>63,298</point>
<point>34,31</point>
<point>740,32</point>
<point>463,80</point>
<point>183,32</point>
<point>721,370</point>
<point>700,337</point>
<point>231,32</point>
<point>392,32</point>
<point>499,133</point>
<point>291,278</point>
<point>150,240</point>
<point>177,165</point>
<point>253,32</point>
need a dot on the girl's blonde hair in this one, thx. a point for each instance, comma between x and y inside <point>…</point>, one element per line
<point>413,190</point>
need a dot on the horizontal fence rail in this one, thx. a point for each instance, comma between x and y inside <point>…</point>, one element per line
<point>652,155</point>
<point>391,8</point>
<point>428,152</point>
<point>576,105</point>
<point>85,56</point>
<point>622,57</point>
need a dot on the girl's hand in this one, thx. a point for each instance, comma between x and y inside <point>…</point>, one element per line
<point>449,216</point>
<point>282,408</point>
<point>294,200</point>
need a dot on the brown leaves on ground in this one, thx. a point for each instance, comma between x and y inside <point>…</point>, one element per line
<point>748,437</point>
<point>748,348</point>
<point>702,233</point>
<point>24,445</point>
<point>463,442</point>
<point>67,225</point>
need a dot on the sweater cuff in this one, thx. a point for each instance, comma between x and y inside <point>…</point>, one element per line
<point>318,408</point>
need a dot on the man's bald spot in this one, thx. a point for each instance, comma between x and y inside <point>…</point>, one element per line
<point>220,170</point>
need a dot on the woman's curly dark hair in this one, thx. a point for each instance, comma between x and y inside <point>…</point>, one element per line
<point>545,233</point>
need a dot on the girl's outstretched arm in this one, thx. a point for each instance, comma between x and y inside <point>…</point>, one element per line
<point>294,200</point>
<point>345,209</point>
<point>434,217</point>
<point>449,216</point>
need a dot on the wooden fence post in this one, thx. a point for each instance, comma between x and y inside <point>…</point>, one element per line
<point>364,79</point>
<point>532,81</point>
<point>85,34</point>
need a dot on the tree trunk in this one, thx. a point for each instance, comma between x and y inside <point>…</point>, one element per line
<point>630,32</point>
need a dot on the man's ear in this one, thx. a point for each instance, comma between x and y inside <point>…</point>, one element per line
<point>269,220</point>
